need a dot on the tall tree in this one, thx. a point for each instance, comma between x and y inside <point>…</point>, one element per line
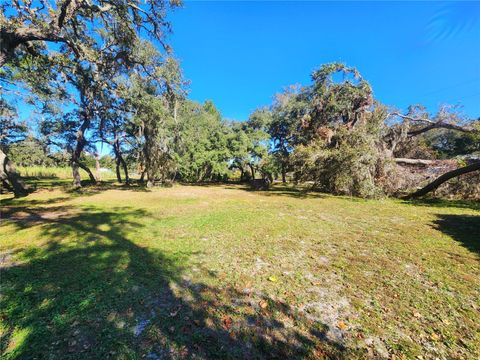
<point>288,107</point>
<point>95,38</point>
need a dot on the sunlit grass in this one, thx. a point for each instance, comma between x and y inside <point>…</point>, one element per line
<point>221,272</point>
<point>57,172</point>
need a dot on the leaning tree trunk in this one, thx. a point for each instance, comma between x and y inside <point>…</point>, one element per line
<point>444,178</point>
<point>76,164</point>
<point>9,175</point>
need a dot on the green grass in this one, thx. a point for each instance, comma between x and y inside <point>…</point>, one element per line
<point>221,272</point>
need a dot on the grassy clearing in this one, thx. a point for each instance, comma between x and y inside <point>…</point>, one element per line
<point>220,272</point>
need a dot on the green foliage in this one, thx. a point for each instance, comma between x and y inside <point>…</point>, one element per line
<point>348,168</point>
<point>11,130</point>
<point>250,144</point>
<point>450,143</point>
<point>202,153</point>
<point>29,152</point>
<point>336,101</point>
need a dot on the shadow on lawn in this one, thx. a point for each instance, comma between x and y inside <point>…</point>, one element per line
<point>462,228</point>
<point>93,293</point>
<point>442,203</point>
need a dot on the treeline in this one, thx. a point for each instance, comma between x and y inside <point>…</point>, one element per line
<point>94,77</point>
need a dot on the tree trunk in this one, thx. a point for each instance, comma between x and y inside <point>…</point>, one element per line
<point>77,183</point>
<point>444,178</point>
<point>414,161</point>
<point>9,175</point>
<point>150,179</point>
<point>76,166</point>
<point>97,168</point>
<point>125,170</point>
<point>284,173</point>
<point>116,150</point>
<point>252,169</point>
<point>117,170</point>
<point>88,171</point>
<point>81,142</point>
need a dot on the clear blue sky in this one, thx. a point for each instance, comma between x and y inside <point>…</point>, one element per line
<point>239,54</point>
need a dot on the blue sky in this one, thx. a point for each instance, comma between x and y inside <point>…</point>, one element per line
<point>239,54</point>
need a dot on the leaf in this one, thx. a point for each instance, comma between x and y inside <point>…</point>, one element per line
<point>263,304</point>
<point>227,322</point>
<point>272,279</point>
<point>435,337</point>
<point>341,325</point>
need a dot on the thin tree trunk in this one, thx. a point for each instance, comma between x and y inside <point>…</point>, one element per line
<point>116,150</point>
<point>9,175</point>
<point>148,162</point>
<point>284,174</point>
<point>88,171</point>
<point>253,171</point>
<point>444,178</point>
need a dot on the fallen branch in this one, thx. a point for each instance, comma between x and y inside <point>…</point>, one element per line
<point>444,178</point>
<point>414,161</point>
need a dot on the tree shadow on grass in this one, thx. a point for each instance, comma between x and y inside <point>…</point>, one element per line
<point>442,203</point>
<point>92,292</point>
<point>462,228</point>
<point>297,193</point>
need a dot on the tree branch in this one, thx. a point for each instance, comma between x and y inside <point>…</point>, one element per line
<point>444,178</point>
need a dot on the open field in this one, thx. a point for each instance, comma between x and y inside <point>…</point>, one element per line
<point>221,272</point>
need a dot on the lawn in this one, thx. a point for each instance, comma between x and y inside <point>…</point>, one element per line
<point>222,272</point>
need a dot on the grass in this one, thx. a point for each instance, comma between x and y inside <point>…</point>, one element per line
<point>221,272</point>
<point>55,172</point>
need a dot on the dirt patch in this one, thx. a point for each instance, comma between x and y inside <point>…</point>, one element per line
<point>329,307</point>
<point>32,217</point>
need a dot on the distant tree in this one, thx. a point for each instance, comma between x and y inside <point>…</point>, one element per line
<point>250,144</point>
<point>288,107</point>
<point>30,152</point>
<point>152,99</point>
<point>202,151</point>
<point>330,132</point>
